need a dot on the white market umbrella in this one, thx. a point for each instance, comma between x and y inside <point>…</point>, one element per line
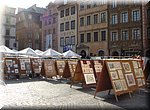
<point>51,53</point>
<point>39,52</point>
<point>71,54</point>
<point>4,49</point>
<point>28,51</point>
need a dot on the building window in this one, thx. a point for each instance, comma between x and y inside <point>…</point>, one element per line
<point>124,17</point>
<point>103,17</point>
<point>50,12</point>
<point>49,21</point>
<point>88,37</point>
<point>88,6</point>
<point>62,13</point>
<point>54,20</point>
<point>7,43</point>
<point>114,19</point>
<point>136,15</point>
<point>72,10</point>
<point>67,26</point>
<point>67,41</point>
<point>7,32</point>
<point>81,6</point>
<point>124,35</point>
<point>62,41</point>
<point>81,38</point>
<point>148,13</point>
<point>82,21</point>
<point>95,18</point>
<point>45,33</point>
<point>45,22</point>
<point>95,36</point>
<point>8,19</point>
<point>88,20</point>
<point>72,40</point>
<point>94,4</point>
<point>148,32</point>
<point>61,27</point>
<point>54,31</point>
<point>67,12</point>
<point>114,36</point>
<point>135,34</point>
<point>114,4</point>
<point>73,24</point>
<point>49,31</point>
<point>103,35</point>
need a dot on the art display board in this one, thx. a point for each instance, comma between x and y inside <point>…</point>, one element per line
<point>138,71</point>
<point>49,68</point>
<point>97,65</point>
<point>84,73</point>
<point>25,66</point>
<point>36,64</point>
<point>71,66</point>
<point>11,67</point>
<point>120,75</point>
<point>60,65</point>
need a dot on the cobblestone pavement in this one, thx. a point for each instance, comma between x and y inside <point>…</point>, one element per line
<point>45,94</point>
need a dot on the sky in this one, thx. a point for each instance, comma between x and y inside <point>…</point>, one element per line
<point>25,3</point>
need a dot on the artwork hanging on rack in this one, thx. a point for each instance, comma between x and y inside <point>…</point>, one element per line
<point>130,79</point>
<point>114,75</point>
<point>120,73</point>
<point>117,85</point>
<point>89,78</point>
<point>124,84</point>
<point>126,67</point>
<point>111,66</point>
<point>135,64</point>
<point>139,81</point>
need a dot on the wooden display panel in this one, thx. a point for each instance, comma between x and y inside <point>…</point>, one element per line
<point>36,64</point>
<point>84,73</point>
<point>60,64</point>
<point>138,71</point>
<point>11,67</point>
<point>72,64</point>
<point>120,76</point>
<point>25,66</point>
<point>49,68</point>
<point>98,65</point>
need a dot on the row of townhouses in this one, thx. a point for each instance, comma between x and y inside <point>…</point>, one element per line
<point>90,28</point>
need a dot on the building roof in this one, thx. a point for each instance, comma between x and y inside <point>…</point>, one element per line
<point>35,9</point>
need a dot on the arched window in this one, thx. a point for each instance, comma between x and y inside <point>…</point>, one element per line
<point>101,53</point>
<point>115,53</point>
<point>83,53</point>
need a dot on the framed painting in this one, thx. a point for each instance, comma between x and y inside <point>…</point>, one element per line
<point>137,72</point>
<point>139,82</point>
<point>141,72</point>
<point>114,75</point>
<point>89,78</point>
<point>117,65</point>
<point>117,85</point>
<point>111,66</point>
<point>120,73</point>
<point>124,84</point>
<point>126,67</point>
<point>130,79</point>
<point>135,64</point>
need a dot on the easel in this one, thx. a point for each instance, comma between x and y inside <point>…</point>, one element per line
<point>81,72</point>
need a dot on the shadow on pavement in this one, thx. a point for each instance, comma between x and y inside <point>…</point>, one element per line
<point>139,100</point>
